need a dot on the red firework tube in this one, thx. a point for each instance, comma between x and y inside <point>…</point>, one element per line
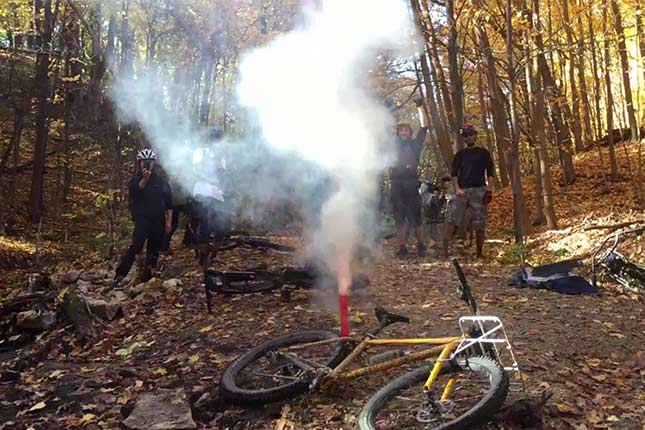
<point>344,314</point>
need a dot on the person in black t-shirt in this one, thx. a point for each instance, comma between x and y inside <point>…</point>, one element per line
<point>406,201</point>
<point>150,202</point>
<point>472,178</point>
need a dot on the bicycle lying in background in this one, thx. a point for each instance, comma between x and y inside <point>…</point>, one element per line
<point>615,266</point>
<point>260,280</point>
<point>464,387</point>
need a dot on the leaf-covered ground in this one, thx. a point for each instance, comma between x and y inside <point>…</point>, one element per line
<point>587,350</point>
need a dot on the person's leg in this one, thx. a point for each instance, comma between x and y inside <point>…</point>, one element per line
<point>192,225</point>
<point>156,236</point>
<point>456,208</point>
<point>398,210</point>
<point>138,240</point>
<point>207,228</point>
<point>413,203</point>
<point>480,213</point>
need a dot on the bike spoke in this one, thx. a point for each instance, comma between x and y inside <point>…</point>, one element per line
<point>413,408</point>
<point>276,368</point>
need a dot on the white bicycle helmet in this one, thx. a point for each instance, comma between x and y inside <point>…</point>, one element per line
<point>146,154</point>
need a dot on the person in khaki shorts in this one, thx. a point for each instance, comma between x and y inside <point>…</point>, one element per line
<point>472,178</point>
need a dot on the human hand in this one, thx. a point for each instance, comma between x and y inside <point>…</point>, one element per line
<point>460,192</point>
<point>168,227</point>
<point>146,173</point>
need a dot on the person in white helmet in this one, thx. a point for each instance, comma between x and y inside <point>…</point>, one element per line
<point>150,202</point>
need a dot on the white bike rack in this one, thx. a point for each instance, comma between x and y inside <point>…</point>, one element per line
<point>494,334</point>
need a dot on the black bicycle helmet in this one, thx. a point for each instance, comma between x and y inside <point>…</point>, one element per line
<point>467,129</point>
<point>215,134</point>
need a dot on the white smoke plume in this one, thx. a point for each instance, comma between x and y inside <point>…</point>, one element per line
<point>309,92</point>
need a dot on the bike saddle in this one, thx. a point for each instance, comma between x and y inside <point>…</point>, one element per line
<point>386,318</point>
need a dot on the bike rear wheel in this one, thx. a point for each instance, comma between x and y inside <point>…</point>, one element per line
<point>266,373</point>
<point>249,287</point>
<point>403,405</point>
<point>239,282</point>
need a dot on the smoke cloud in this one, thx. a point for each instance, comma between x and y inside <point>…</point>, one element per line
<point>324,137</point>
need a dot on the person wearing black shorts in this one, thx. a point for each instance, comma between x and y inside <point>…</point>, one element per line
<point>406,201</point>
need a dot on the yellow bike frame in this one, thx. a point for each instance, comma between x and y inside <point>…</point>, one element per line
<point>445,347</point>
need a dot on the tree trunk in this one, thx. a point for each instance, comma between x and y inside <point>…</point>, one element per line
<point>442,83</point>
<point>111,37</point>
<point>442,136</point>
<point>641,44</point>
<point>205,104</point>
<point>585,111</point>
<point>520,217</point>
<point>596,75</point>
<point>538,125</point>
<point>41,85</point>
<point>531,94</point>
<point>456,85</point>
<point>98,67</point>
<point>538,198</point>
<point>485,114</point>
<point>562,132</point>
<point>610,100</point>
<point>497,104</point>
<point>624,64</point>
<point>641,37</point>
<point>575,101</point>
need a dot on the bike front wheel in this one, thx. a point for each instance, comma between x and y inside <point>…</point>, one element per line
<point>272,371</point>
<point>480,390</point>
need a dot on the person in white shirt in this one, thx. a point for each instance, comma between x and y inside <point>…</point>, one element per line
<point>209,193</point>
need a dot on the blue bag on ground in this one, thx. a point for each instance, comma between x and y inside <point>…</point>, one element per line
<point>554,277</point>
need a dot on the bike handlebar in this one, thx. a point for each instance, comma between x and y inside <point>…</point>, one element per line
<point>464,289</point>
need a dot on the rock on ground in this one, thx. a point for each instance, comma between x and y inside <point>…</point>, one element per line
<point>32,320</point>
<point>161,410</point>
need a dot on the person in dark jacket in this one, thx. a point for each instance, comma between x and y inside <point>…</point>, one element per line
<point>472,178</point>
<point>404,178</point>
<point>150,201</point>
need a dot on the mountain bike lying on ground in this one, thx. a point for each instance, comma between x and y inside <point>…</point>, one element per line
<point>615,266</point>
<point>260,279</point>
<point>464,387</point>
<point>245,281</point>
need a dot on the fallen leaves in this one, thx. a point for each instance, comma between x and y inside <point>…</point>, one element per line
<point>206,329</point>
<point>124,352</point>
<point>37,406</point>
<point>87,418</point>
<point>122,400</point>
<point>160,371</point>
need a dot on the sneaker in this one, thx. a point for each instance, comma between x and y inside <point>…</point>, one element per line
<point>402,252</point>
<point>421,249</point>
<point>116,284</point>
